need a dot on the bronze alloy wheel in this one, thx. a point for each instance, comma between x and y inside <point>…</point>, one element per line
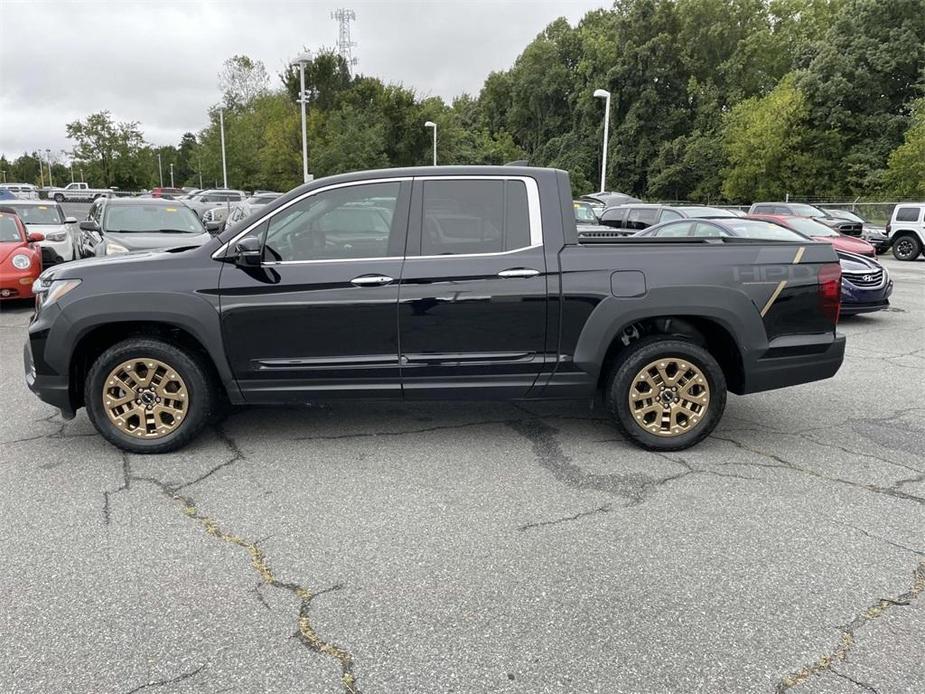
<point>145,398</point>
<point>669,397</point>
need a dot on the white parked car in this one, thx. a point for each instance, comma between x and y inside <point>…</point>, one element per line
<point>23,191</point>
<point>907,230</point>
<point>62,236</point>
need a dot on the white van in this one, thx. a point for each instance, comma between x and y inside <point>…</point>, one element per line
<point>23,191</point>
<point>907,230</point>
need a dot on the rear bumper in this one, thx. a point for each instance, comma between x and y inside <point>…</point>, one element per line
<point>52,389</point>
<point>779,372</point>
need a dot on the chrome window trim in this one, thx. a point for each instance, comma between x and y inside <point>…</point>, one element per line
<point>224,247</point>
<point>533,210</point>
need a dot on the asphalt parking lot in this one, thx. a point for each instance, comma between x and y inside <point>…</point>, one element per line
<point>478,547</point>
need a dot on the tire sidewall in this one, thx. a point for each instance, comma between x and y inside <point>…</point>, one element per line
<point>187,366</point>
<point>631,363</point>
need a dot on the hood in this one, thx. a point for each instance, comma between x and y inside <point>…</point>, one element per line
<point>75,268</point>
<point>852,263</point>
<point>849,244</point>
<point>156,241</point>
<point>8,248</point>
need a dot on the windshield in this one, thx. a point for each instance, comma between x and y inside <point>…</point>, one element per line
<point>9,230</point>
<point>706,212</point>
<point>38,214</point>
<point>768,231</point>
<point>844,214</point>
<point>151,218</point>
<point>811,228</point>
<point>807,211</point>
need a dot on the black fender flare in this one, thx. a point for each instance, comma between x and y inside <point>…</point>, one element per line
<point>191,313</point>
<point>731,309</point>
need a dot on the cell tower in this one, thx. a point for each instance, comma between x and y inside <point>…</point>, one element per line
<point>344,45</point>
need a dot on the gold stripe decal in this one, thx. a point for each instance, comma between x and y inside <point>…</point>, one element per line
<point>780,286</point>
<point>767,306</point>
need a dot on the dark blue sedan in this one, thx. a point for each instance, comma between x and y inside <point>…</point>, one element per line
<point>865,284</point>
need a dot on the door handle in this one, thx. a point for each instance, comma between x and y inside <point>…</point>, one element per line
<point>371,281</point>
<point>518,272</point>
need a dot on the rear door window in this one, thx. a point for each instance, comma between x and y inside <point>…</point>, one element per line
<point>908,214</point>
<point>463,217</point>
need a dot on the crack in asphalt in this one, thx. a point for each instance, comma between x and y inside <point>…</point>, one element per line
<point>59,434</point>
<point>606,508</point>
<point>848,632</point>
<point>237,456</point>
<point>863,685</point>
<point>306,632</point>
<point>874,536</point>
<point>784,464</point>
<point>172,680</point>
<point>635,487</point>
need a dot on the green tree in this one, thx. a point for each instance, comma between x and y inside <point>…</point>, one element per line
<point>108,150</point>
<point>905,174</point>
<point>769,148</point>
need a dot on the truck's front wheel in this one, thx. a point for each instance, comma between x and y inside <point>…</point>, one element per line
<point>59,197</point>
<point>666,393</point>
<point>148,396</point>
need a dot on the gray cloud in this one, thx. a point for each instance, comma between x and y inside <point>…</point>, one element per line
<point>157,63</point>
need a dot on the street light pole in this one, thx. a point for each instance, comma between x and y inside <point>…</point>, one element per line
<point>221,121</point>
<point>604,94</point>
<point>48,154</point>
<point>160,171</point>
<point>199,158</point>
<point>171,176</point>
<point>300,61</point>
<point>431,124</point>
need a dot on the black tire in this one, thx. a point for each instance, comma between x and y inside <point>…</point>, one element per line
<point>636,357</point>
<point>192,369</point>
<point>59,197</point>
<point>906,247</point>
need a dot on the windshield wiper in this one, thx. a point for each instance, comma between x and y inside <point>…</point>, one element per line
<point>176,231</point>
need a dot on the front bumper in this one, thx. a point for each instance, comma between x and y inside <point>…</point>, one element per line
<point>52,389</point>
<point>856,300</point>
<point>814,362</point>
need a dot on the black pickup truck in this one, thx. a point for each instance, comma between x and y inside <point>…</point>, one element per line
<point>431,283</point>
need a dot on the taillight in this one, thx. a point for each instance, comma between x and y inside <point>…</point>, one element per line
<point>830,291</point>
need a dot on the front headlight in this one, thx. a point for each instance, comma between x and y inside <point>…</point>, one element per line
<point>49,291</point>
<point>113,248</point>
<point>21,261</point>
<point>56,237</point>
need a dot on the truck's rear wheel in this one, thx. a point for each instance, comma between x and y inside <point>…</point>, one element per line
<point>59,197</point>
<point>147,396</point>
<point>906,247</point>
<point>666,393</point>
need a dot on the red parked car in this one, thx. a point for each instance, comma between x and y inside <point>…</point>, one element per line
<point>821,232</point>
<point>169,193</point>
<point>20,258</point>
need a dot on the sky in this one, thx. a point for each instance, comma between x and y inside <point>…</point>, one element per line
<point>157,61</point>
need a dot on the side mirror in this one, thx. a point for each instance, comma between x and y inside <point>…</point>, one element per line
<point>35,236</point>
<point>70,220</point>
<point>213,227</point>
<point>89,225</point>
<point>248,252</point>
